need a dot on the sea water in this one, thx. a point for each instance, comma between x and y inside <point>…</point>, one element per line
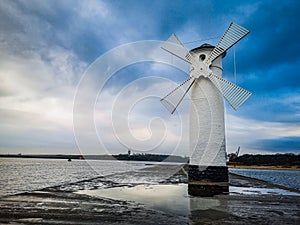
<point>19,175</point>
<point>287,178</point>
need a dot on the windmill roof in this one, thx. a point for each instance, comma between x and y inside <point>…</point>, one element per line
<point>207,46</point>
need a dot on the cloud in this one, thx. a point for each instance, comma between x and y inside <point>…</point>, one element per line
<point>284,144</point>
<point>45,46</point>
<point>276,39</point>
<point>29,132</point>
<point>134,118</point>
<point>38,80</point>
<point>255,135</point>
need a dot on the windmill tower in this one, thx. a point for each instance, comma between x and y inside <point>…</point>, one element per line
<point>208,173</point>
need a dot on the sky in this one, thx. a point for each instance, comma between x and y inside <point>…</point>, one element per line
<point>48,49</point>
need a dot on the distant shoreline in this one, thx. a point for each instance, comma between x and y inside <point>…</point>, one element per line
<point>125,157</point>
<point>146,158</point>
<point>264,167</point>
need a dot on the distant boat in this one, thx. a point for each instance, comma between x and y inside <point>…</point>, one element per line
<point>69,160</point>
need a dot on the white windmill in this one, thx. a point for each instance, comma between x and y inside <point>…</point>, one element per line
<point>208,173</point>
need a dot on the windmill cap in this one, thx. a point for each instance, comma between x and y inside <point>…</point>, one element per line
<point>206,46</point>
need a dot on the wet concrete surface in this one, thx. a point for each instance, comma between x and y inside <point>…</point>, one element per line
<point>64,205</point>
<point>247,209</point>
<point>70,208</point>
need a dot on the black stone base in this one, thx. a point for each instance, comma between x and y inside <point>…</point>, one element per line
<point>208,173</point>
<point>208,190</point>
<point>208,180</point>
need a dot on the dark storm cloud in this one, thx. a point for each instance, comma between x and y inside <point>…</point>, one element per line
<point>35,25</point>
<point>268,62</point>
<point>269,58</point>
<point>274,35</point>
<point>284,144</point>
<point>60,35</point>
<point>270,109</point>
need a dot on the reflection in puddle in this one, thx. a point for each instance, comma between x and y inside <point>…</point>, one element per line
<point>171,199</point>
<point>168,198</point>
<point>203,203</point>
<point>174,199</point>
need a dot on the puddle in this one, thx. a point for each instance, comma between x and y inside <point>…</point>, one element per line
<point>168,198</point>
<point>174,199</point>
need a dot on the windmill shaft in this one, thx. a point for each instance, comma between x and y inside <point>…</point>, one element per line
<point>208,173</point>
<point>207,129</point>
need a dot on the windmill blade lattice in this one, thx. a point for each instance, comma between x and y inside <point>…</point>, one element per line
<point>234,94</point>
<point>174,98</point>
<point>232,35</point>
<point>174,46</point>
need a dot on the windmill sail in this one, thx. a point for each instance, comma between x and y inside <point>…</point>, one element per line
<point>232,35</point>
<point>174,46</point>
<point>173,99</point>
<point>234,94</point>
